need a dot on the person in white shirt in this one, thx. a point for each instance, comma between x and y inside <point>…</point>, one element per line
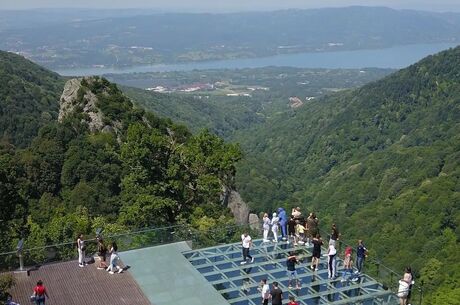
<point>275,223</point>
<point>331,260</point>
<point>247,243</point>
<point>266,226</point>
<point>265,291</point>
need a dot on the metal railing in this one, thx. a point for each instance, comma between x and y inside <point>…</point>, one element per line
<point>36,256</point>
<point>388,277</point>
<point>136,239</point>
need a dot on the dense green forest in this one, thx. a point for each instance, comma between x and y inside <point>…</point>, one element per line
<point>136,171</point>
<point>29,96</point>
<point>382,161</point>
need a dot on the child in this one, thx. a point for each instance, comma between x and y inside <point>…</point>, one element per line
<point>300,234</point>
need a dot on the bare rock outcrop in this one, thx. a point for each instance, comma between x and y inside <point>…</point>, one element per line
<point>77,98</point>
<point>254,222</point>
<point>238,207</point>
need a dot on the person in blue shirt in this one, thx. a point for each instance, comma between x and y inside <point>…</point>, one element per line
<point>283,222</point>
<point>361,254</point>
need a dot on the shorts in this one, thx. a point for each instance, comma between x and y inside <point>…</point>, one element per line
<point>316,254</point>
<point>292,274</point>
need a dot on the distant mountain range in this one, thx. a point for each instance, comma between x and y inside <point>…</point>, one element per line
<point>164,38</point>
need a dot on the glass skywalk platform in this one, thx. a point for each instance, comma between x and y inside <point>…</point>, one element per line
<point>238,284</point>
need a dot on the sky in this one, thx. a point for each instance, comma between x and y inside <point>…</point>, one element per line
<point>230,5</point>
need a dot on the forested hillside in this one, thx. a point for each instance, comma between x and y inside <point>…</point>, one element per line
<point>257,93</point>
<point>29,96</point>
<point>108,164</point>
<point>383,162</point>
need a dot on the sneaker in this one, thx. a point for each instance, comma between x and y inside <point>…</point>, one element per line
<point>316,269</point>
<point>100,268</point>
<point>295,244</point>
<point>111,272</point>
<point>289,287</point>
<point>312,268</point>
<point>243,263</point>
<point>275,241</point>
<point>252,259</point>
<point>355,279</point>
<point>120,271</point>
<point>297,287</point>
<point>81,265</point>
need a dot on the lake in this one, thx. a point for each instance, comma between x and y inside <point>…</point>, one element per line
<point>395,57</point>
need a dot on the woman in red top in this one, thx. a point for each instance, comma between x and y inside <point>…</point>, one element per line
<point>40,293</point>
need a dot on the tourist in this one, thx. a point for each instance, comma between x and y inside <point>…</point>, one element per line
<point>312,227</point>
<point>292,300</point>
<point>81,248</point>
<point>348,261</point>
<point>316,254</point>
<point>275,223</point>
<point>296,213</point>
<point>9,300</point>
<point>361,254</point>
<point>114,259</point>
<point>276,294</point>
<point>292,273</point>
<point>409,279</point>
<point>347,274</point>
<point>403,292</point>
<point>266,226</point>
<point>265,291</point>
<point>331,260</point>
<point>300,233</point>
<point>283,222</point>
<point>101,253</point>
<point>292,229</point>
<point>246,243</point>
<point>40,294</point>
<point>335,234</point>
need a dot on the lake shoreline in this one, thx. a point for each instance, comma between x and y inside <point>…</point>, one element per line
<point>394,58</point>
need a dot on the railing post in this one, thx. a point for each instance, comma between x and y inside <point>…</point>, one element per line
<point>19,249</point>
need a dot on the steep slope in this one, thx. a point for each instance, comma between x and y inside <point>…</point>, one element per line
<point>383,162</point>
<point>29,98</point>
<point>106,163</point>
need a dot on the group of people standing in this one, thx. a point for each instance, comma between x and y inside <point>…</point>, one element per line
<point>275,294</point>
<point>295,228</point>
<point>102,251</point>
<point>305,231</point>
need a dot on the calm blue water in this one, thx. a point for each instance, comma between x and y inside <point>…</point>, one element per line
<point>396,57</point>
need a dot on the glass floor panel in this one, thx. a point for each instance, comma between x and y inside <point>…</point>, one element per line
<point>239,283</point>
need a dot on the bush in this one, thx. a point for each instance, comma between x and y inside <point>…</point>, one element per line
<point>7,281</point>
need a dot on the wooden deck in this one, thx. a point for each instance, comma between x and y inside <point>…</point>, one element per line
<point>68,284</point>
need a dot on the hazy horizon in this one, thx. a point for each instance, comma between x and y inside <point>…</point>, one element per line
<point>227,6</point>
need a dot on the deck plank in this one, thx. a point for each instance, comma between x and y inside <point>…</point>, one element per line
<point>68,284</point>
